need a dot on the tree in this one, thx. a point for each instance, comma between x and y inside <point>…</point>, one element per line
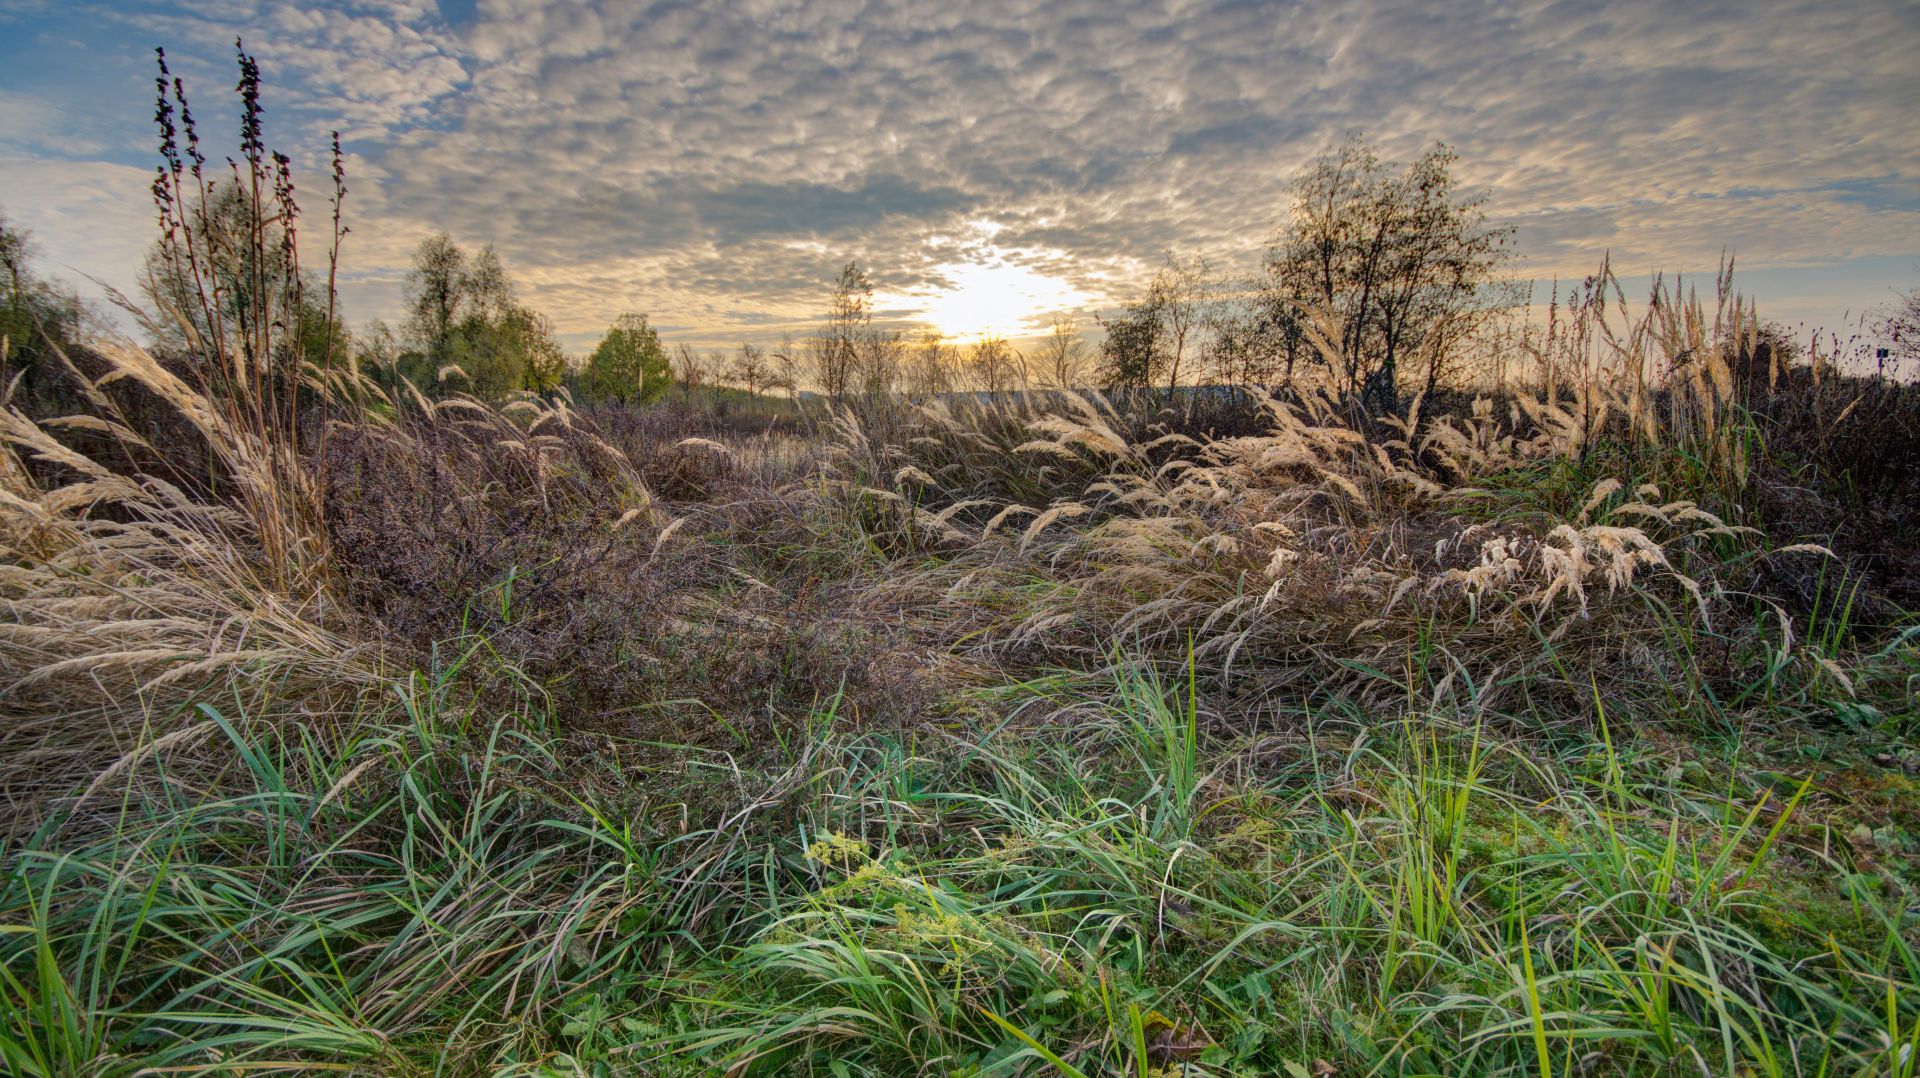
<point>1147,342</point>
<point>546,367</point>
<point>1134,354</point>
<point>1396,261</point>
<point>36,318</point>
<point>997,366</point>
<point>1178,296</point>
<point>436,289</point>
<point>836,348</point>
<point>882,358</point>
<point>447,290</point>
<point>786,366</point>
<point>931,365</point>
<point>1251,341</point>
<point>628,365</point>
<point>244,260</point>
<point>488,293</point>
<point>688,368</point>
<point>497,357</point>
<point>1897,329</point>
<point>750,369</point>
<point>376,351</point>
<point>1062,356</point>
<point>466,328</point>
<point>16,290</point>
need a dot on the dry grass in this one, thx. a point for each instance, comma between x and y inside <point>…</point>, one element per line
<point>128,597</point>
<point>1320,558</point>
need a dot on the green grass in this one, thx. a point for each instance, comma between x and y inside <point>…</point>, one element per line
<point>1099,885</point>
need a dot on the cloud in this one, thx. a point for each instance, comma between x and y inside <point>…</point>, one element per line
<point>714,163</point>
<point>25,119</point>
<point>91,219</point>
<point>372,68</point>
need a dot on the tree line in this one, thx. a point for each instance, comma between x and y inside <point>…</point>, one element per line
<point>1374,285</point>
<point>1370,285</point>
<point>1372,282</point>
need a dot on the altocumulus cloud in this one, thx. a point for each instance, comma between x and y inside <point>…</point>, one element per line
<point>713,162</point>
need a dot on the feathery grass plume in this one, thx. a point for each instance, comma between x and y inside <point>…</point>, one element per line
<point>129,598</point>
<point>136,589</point>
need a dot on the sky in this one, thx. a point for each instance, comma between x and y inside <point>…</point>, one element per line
<point>713,163</point>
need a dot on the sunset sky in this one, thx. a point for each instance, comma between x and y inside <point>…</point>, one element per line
<point>713,163</point>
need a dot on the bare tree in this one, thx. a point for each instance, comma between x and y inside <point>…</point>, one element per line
<point>1178,295</point>
<point>996,365</point>
<point>931,365</point>
<point>882,355</point>
<point>1897,329</point>
<point>835,351</point>
<point>1394,260</point>
<point>1062,355</point>
<point>1250,341</point>
<point>750,370</point>
<point>688,368</point>
<point>786,366</point>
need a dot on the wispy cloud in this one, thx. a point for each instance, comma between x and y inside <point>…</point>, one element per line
<point>88,218</point>
<point>711,163</point>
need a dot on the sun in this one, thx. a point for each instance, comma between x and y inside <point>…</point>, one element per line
<point>993,297</point>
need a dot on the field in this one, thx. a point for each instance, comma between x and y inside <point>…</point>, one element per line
<point>456,706</point>
<point>1565,728</point>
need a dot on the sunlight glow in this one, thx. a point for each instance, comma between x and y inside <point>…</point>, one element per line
<point>993,297</point>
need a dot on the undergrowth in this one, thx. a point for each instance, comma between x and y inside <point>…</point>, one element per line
<point>1108,881</point>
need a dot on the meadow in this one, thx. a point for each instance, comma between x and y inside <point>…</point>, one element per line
<point>1565,725</point>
